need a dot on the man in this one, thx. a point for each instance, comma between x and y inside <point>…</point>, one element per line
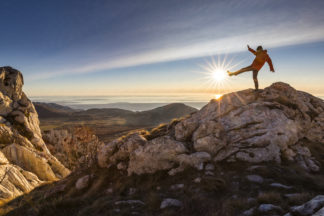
<point>261,57</point>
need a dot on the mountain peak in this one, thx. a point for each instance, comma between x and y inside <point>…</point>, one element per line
<point>275,124</point>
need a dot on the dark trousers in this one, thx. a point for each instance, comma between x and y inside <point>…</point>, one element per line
<point>255,74</point>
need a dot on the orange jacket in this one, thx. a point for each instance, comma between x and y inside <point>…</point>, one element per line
<point>261,57</point>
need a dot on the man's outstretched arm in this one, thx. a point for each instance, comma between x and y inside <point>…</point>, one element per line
<point>251,50</point>
<point>270,64</point>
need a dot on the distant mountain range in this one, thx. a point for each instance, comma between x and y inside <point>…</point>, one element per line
<point>57,113</point>
<point>52,110</point>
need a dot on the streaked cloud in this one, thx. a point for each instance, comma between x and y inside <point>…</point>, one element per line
<point>197,29</point>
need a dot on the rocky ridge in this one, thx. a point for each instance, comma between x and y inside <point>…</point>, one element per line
<point>273,125</point>
<point>25,161</point>
<point>247,153</point>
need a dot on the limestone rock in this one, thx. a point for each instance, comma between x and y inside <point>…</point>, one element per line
<point>255,178</point>
<point>15,181</point>
<point>281,186</point>
<point>196,160</point>
<point>82,182</point>
<point>119,149</point>
<point>319,212</point>
<point>25,161</point>
<point>46,167</point>
<point>264,208</point>
<point>169,202</point>
<point>185,128</point>
<point>177,186</point>
<point>3,159</point>
<point>309,207</point>
<point>158,154</point>
<point>248,212</point>
<point>274,125</point>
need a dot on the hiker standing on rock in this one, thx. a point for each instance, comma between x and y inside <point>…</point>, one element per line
<point>261,57</point>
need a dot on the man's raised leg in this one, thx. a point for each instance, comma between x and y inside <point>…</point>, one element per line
<point>249,68</point>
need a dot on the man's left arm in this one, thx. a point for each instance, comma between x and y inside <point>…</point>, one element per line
<point>270,64</point>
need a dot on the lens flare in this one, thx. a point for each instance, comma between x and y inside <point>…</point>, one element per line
<point>218,96</point>
<point>215,75</point>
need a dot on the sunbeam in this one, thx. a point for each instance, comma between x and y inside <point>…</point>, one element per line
<point>215,77</point>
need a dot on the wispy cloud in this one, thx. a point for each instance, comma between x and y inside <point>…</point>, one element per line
<point>203,31</point>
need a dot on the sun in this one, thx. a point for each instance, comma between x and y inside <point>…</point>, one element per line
<point>219,74</point>
<point>214,75</point>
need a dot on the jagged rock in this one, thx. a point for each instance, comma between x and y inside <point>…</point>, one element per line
<point>25,160</point>
<point>255,178</point>
<point>169,202</point>
<point>45,166</point>
<point>292,195</point>
<point>319,212</point>
<point>177,186</point>
<point>15,181</point>
<point>158,154</point>
<point>185,128</point>
<point>210,167</point>
<point>309,207</point>
<point>119,149</point>
<point>197,180</point>
<point>130,202</point>
<point>3,159</point>
<point>82,182</point>
<point>75,146</point>
<point>274,125</point>
<point>132,191</point>
<point>281,186</point>
<point>210,173</point>
<point>249,212</point>
<point>109,191</point>
<point>196,160</point>
<point>121,166</point>
<point>264,208</point>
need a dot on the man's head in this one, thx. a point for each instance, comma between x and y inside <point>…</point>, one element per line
<point>259,48</point>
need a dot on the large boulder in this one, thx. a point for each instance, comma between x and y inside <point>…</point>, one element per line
<point>273,125</point>
<point>25,161</point>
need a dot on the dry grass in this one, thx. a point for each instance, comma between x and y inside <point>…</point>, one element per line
<point>269,197</point>
<point>213,196</point>
<point>233,206</point>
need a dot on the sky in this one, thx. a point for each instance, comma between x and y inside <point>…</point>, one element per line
<point>107,47</point>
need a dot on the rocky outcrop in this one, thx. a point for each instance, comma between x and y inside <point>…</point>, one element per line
<point>25,159</point>
<point>75,146</point>
<point>310,207</point>
<point>273,125</point>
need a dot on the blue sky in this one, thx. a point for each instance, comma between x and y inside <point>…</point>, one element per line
<point>99,47</point>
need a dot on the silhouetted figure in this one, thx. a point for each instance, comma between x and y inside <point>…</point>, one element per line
<point>261,57</point>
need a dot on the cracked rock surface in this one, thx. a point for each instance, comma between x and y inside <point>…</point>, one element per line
<point>270,126</point>
<point>25,161</point>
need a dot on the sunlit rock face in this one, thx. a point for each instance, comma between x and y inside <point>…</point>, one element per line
<point>25,161</point>
<point>273,125</point>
